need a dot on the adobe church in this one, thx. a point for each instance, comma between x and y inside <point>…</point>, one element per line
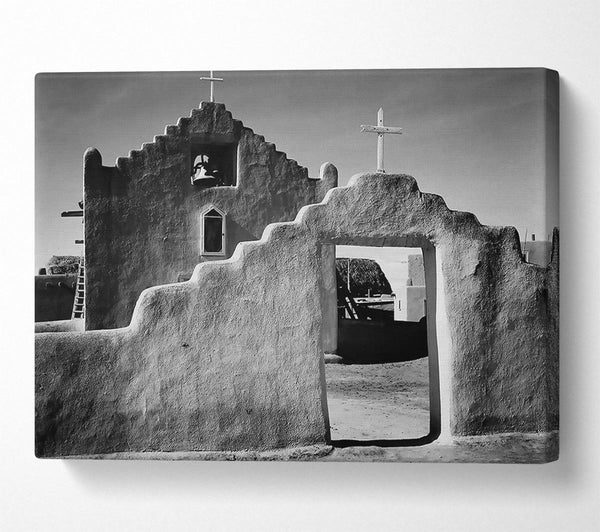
<point>210,301</point>
<point>190,196</point>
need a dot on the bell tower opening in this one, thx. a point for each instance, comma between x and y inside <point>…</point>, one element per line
<point>213,163</point>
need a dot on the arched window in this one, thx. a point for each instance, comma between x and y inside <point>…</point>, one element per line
<point>212,240</point>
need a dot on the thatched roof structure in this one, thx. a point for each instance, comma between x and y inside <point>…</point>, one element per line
<point>63,264</point>
<point>365,274</point>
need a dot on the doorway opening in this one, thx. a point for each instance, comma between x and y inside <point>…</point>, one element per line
<point>382,380</point>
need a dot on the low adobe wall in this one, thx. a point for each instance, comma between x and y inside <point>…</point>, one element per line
<point>70,325</point>
<point>378,342</point>
<point>233,358</point>
<point>54,295</point>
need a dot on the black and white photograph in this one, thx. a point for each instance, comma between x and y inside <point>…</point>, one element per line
<point>206,295</point>
<point>300,266</point>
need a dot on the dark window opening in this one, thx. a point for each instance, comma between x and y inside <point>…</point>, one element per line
<point>213,233</point>
<point>214,165</point>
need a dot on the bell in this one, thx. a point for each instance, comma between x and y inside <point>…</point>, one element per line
<point>204,180</point>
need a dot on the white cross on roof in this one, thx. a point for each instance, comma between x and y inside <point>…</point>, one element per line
<point>212,80</point>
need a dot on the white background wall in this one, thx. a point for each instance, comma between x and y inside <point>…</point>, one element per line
<point>185,35</point>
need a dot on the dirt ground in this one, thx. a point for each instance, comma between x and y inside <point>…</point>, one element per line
<point>378,401</point>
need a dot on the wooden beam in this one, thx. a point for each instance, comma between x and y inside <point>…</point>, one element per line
<point>381,129</point>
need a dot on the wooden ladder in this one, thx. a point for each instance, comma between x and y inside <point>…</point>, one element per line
<point>353,310</point>
<point>79,301</point>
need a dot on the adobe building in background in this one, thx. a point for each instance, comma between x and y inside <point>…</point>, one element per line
<point>410,302</point>
<point>188,197</point>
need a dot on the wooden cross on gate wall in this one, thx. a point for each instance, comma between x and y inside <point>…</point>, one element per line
<point>381,130</point>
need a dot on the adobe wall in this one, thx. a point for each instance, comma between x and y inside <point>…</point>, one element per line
<point>416,272</point>
<point>411,298</point>
<point>538,252</point>
<point>70,325</point>
<point>142,216</point>
<point>54,295</point>
<point>380,342</point>
<point>233,358</point>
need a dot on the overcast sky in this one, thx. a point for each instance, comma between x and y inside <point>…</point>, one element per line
<point>476,137</point>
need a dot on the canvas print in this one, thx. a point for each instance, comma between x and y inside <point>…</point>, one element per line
<point>297,265</point>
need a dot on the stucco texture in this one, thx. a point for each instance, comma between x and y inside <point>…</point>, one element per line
<point>233,358</point>
<point>143,215</point>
